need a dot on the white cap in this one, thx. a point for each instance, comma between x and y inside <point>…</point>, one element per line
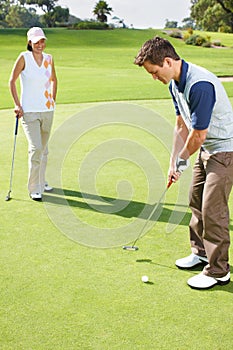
<point>35,34</point>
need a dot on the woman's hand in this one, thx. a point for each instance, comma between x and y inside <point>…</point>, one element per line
<point>18,111</point>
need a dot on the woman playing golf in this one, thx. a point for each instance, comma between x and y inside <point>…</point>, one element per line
<point>36,106</point>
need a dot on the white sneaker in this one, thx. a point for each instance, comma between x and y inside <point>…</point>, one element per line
<point>36,196</point>
<point>202,281</point>
<point>190,261</point>
<point>47,188</point>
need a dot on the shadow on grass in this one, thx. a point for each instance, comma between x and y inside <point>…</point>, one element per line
<point>131,209</point>
<point>149,261</point>
<point>195,269</point>
<point>227,288</point>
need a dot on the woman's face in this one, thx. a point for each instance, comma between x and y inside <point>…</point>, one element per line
<point>39,46</point>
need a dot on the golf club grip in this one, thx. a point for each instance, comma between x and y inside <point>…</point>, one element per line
<point>16,124</point>
<point>170,183</point>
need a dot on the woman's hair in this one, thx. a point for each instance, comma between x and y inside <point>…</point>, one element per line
<point>155,50</point>
<point>29,47</point>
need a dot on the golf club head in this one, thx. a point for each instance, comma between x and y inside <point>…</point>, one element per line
<point>130,247</point>
<point>8,197</point>
<point>133,247</point>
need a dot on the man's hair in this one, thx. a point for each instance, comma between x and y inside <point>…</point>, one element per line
<point>155,50</point>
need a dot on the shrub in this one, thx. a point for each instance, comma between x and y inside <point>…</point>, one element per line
<point>186,36</point>
<point>200,40</point>
<point>90,25</point>
<point>191,40</point>
<point>190,31</point>
<point>217,43</point>
<point>206,44</point>
<point>196,40</point>
<point>224,29</point>
<point>176,34</point>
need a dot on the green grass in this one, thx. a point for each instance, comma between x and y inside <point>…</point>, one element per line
<point>59,294</point>
<point>98,65</point>
<point>59,288</point>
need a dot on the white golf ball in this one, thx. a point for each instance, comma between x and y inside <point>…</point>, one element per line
<point>145,279</point>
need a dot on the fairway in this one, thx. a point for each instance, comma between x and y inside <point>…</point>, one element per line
<point>66,282</point>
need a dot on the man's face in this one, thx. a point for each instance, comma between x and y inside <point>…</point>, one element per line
<point>163,74</point>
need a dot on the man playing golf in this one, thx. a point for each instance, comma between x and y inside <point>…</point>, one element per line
<point>204,123</point>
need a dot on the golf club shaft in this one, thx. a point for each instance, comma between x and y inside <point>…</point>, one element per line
<point>153,211</point>
<point>13,155</point>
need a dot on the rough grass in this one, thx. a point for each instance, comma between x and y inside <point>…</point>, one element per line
<point>98,65</point>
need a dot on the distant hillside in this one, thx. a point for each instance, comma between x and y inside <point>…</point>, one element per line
<point>98,65</point>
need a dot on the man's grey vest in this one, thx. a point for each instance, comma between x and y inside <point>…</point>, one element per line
<point>220,131</point>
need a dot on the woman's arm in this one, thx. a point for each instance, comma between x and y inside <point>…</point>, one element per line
<point>17,69</point>
<point>53,82</point>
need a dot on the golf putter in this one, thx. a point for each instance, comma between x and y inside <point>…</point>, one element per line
<point>133,247</point>
<point>8,197</point>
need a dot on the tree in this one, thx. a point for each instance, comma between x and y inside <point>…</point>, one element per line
<point>227,6</point>
<point>52,14</point>
<point>213,15</point>
<point>15,13</point>
<point>101,11</point>
<point>171,24</point>
<point>4,10</point>
<point>45,5</point>
<point>57,15</point>
<point>61,15</point>
<point>188,22</point>
<point>19,16</point>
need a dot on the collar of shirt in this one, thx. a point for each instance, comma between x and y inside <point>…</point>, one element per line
<point>181,84</point>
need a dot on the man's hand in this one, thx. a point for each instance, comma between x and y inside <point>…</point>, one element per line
<point>176,169</point>
<point>181,164</point>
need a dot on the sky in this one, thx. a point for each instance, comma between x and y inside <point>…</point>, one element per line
<point>139,13</point>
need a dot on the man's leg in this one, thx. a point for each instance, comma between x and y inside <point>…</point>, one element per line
<point>195,204</point>
<point>215,212</point>
<point>215,215</point>
<point>198,255</point>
